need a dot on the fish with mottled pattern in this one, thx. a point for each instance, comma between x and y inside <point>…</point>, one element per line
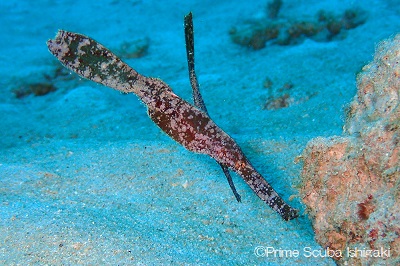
<point>182,121</point>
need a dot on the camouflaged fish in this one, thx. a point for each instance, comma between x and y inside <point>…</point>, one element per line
<point>182,121</point>
<point>197,98</point>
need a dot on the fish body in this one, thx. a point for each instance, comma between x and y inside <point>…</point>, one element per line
<point>182,121</point>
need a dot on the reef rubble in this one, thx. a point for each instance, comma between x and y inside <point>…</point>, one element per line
<point>283,30</point>
<point>351,183</point>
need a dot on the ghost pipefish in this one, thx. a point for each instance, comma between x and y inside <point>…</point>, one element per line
<point>197,98</point>
<point>182,121</point>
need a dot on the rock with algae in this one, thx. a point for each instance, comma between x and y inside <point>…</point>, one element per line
<point>351,184</point>
<point>287,31</point>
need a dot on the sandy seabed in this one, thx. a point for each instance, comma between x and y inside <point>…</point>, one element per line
<point>87,178</point>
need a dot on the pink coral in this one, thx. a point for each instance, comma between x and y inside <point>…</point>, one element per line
<point>351,184</point>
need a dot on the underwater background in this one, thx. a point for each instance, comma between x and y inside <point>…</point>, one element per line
<point>86,178</point>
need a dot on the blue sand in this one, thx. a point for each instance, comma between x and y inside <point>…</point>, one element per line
<point>86,178</point>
